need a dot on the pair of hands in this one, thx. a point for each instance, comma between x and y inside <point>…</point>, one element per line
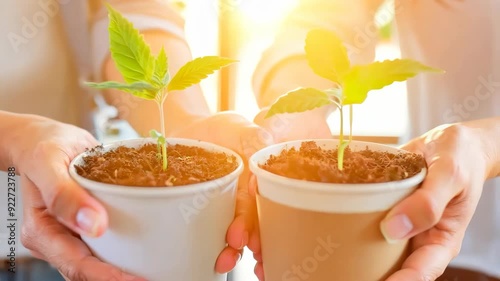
<point>57,211</point>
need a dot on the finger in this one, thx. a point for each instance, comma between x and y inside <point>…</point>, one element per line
<point>227,260</point>
<point>252,186</point>
<point>415,145</point>
<point>37,255</point>
<point>259,271</point>
<point>238,233</point>
<point>240,229</point>
<point>254,241</point>
<point>66,200</point>
<point>41,233</point>
<point>424,208</point>
<point>257,257</point>
<point>426,263</point>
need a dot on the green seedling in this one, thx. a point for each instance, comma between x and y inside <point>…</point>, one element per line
<point>147,76</point>
<point>327,56</point>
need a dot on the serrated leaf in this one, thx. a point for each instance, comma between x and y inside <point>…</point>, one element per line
<point>363,78</point>
<point>129,51</point>
<point>196,70</point>
<point>140,89</point>
<point>326,54</point>
<point>299,100</point>
<point>161,68</point>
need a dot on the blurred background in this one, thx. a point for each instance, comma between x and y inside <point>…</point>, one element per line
<point>244,29</point>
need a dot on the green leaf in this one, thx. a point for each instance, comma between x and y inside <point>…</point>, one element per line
<point>299,100</point>
<point>160,73</point>
<point>196,70</point>
<point>326,54</point>
<point>140,89</point>
<point>364,78</point>
<point>129,51</point>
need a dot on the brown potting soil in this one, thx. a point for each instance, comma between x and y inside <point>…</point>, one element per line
<point>143,167</point>
<point>314,163</point>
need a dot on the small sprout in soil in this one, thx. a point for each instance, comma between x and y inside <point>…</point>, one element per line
<point>327,56</point>
<point>147,76</point>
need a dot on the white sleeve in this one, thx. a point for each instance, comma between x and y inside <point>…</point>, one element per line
<point>352,20</point>
<point>99,35</point>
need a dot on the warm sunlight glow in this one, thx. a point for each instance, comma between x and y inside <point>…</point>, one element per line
<point>265,11</point>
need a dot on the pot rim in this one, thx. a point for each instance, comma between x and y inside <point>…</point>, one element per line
<point>342,188</point>
<point>148,191</point>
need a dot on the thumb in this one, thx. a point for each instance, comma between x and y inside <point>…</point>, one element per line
<point>425,207</point>
<point>65,199</point>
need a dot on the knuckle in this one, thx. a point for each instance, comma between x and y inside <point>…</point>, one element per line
<point>432,274</point>
<point>455,131</point>
<point>72,272</point>
<point>456,248</point>
<point>43,148</point>
<point>51,200</point>
<point>27,237</point>
<point>454,171</point>
<point>431,210</point>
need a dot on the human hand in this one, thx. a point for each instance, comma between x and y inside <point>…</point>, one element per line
<point>233,131</point>
<point>305,125</point>
<point>56,210</point>
<point>437,214</point>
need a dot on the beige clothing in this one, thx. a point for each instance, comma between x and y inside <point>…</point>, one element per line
<point>37,71</point>
<point>51,46</point>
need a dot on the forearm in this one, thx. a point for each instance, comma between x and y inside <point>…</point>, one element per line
<point>180,108</point>
<point>8,121</point>
<point>288,75</point>
<point>12,131</point>
<point>161,25</point>
<point>283,66</point>
<point>489,134</point>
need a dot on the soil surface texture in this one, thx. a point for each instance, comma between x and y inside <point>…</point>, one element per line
<point>142,166</point>
<point>313,163</point>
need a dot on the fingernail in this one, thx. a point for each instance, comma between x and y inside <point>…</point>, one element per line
<point>396,228</point>
<point>244,240</point>
<point>88,221</point>
<point>238,258</point>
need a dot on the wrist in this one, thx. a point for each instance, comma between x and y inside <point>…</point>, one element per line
<point>494,132</point>
<point>310,124</point>
<point>489,134</point>
<point>289,74</point>
<point>11,129</point>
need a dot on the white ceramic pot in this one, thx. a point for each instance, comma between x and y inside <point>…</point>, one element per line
<point>165,233</point>
<point>323,230</point>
